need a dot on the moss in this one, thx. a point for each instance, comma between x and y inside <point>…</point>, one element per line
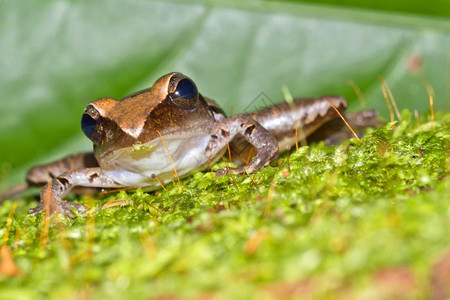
<point>331,215</point>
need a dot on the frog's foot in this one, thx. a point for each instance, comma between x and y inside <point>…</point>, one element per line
<point>57,188</point>
<point>51,199</point>
<point>256,135</point>
<point>59,206</point>
<point>237,171</point>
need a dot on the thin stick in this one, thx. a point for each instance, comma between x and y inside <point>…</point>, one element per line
<point>290,100</point>
<point>432,110</point>
<point>388,103</point>
<point>228,168</point>
<point>301,134</point>
<point>343,119</point>
<point>171,178</point>
<point>358,93</point>
<point>228,147</point>
<point>9,223</point>
<point>397,112</point>
<point>118,190</point>
<point>159,181</point>
<point>171,160</point>
<point>213,175</point>
<point>416,116</point>
<point>44,231</point>
<point>90,232</point>
<point>46,197</point>
<point>269,199</point>
<point>288,163</point>
<point>430,92</point>
<point>249,155</point>
<point>288,96</point>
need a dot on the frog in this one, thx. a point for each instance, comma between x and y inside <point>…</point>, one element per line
<point>170,129</point>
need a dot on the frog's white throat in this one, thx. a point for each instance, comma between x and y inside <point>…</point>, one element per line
<point>138,165</point>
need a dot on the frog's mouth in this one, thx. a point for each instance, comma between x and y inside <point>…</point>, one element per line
<point>139,164</point>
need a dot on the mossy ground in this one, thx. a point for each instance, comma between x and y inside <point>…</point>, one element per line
<point>348,221</point>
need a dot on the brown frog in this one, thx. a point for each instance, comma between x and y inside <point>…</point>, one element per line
<point>147,137</point>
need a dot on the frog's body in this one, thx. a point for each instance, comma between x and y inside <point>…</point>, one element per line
<point>142,139</point>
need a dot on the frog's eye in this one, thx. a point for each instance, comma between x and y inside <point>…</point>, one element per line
<point>88,125</point>
<point>185,94</point>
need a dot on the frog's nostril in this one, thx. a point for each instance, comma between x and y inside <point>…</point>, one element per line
<point>88,125</point>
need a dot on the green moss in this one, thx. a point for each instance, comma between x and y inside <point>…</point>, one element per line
<point>138,147</point>
<point>334,215</point>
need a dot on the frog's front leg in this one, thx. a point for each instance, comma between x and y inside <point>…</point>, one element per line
<point>259,137</point>
<point>53,193</point>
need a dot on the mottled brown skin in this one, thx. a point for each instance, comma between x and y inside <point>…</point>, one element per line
<point>149,114</point>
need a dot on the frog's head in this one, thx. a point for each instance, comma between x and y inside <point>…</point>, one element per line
<point>171,106</point>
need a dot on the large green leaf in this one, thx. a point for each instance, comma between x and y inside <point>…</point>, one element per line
<point>56,56</point>
<point>433,8</point>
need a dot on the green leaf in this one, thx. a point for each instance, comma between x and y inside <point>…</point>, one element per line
<point>57,56</point>
<point>434,8</point>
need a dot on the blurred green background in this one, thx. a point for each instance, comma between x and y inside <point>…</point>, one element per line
<point>432,8</point>
<point>57,56</point>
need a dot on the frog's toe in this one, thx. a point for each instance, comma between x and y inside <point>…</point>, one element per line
<point>238,171</point>
<point>37,210</point>
<point>224,171</point>
<point>60,207</point>
<point>221,172</point>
